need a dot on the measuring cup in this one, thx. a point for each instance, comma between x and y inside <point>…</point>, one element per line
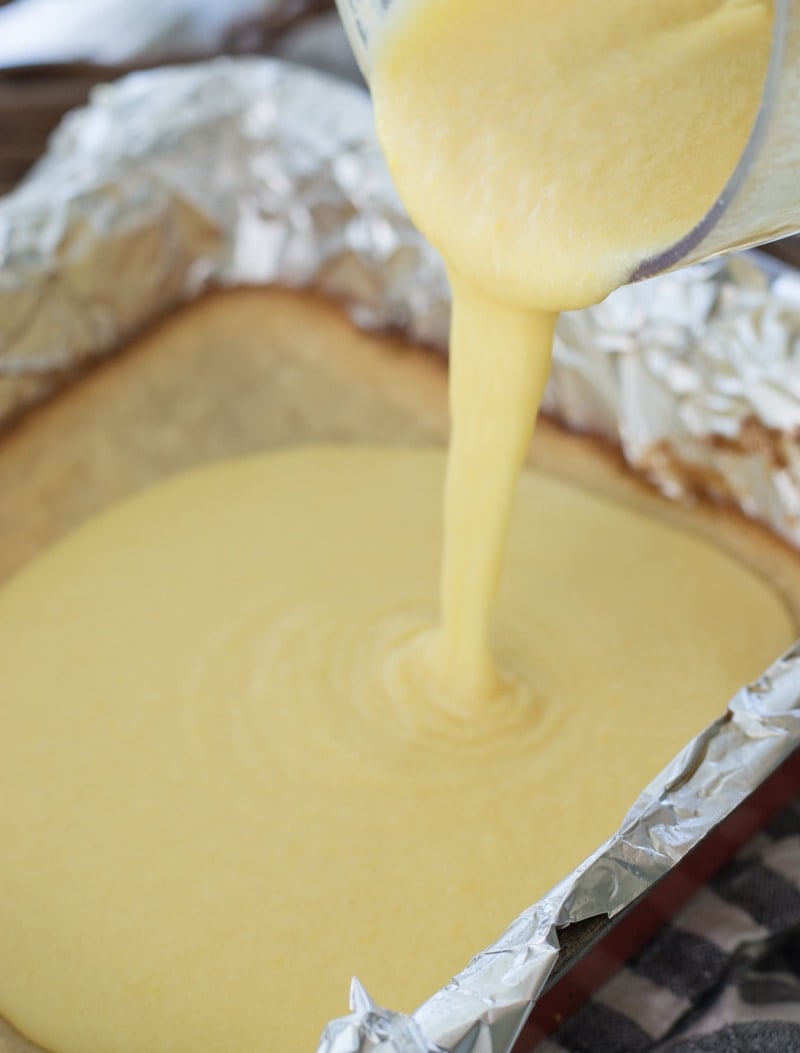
<point>761,200</point>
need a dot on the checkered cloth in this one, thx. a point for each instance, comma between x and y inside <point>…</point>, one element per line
<point>722,977</point>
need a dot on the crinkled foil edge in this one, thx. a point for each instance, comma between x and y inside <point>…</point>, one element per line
<point>256,172</point>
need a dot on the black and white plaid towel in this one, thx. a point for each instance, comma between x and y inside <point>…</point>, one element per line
<point>722,977</point>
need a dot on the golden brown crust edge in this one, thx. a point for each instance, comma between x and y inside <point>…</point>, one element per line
<point>596,466</point>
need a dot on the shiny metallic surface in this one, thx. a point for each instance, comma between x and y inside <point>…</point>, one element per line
<point>696,375</point>
<point>257,172</point>
<point>172,181</point>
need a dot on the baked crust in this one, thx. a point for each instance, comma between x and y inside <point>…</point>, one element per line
<point>234,373</point>
<point>245,370</point>
<point>595,465</point>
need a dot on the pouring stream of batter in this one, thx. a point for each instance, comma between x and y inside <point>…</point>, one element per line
<point>546,149</point>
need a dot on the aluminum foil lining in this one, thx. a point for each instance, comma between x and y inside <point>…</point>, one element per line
<point>257,172</point>
<point>116,32</point>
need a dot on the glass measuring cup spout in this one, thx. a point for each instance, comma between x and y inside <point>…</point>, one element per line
<point>761,200</point>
